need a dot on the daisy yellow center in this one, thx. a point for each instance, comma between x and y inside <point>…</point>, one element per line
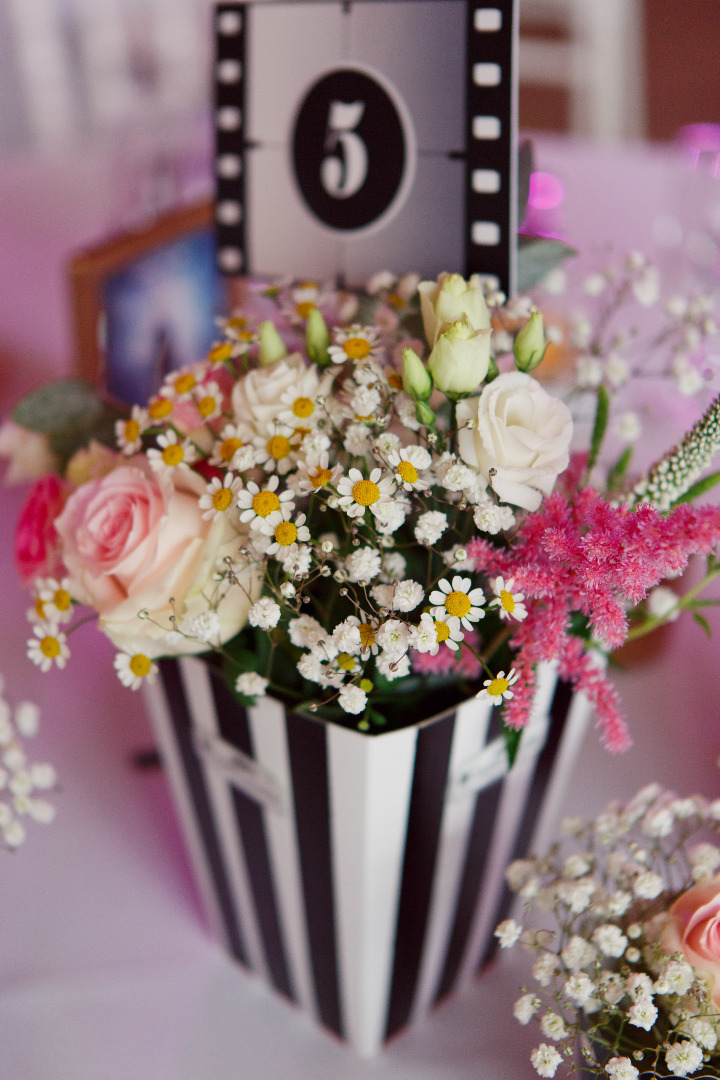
<point>206,406</point>
<point>357,348</point>
<point>395,300</point>
<point>395,380</point>
<point>39,607</point>
<point>497,687</point>
<point>184,384</point>
<point>237,322</point>
<point>304,308</point>
<point>308,285</point>
<point>506,599</point>
<point>345,661</point>
<point>367,635</point>
<point>220,353</point>
<point>407,472</point>
<point>140,665</point>
<point>132,430</point>
<point>302,407</point>
<point>286,533</point>
<point>321,477</point>
<point>229,447</point>
<point>62,600</point>
<point>50,647</point>
<point>442,630</point>
<point>365,492</point>
<point>278,447</point>
<point>458,603</point>
<point>265,502</point>
<point>363,419</point>
<point>160,408</point>
<point>246,335</point>
<point>222,498</point>
<point>172,454</point>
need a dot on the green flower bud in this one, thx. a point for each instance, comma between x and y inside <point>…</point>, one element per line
<point>529,347</point>
<point>425,415</point>
<point>416,380</point>
<point>272,346</point>
<point>449,298</point>
<point>461,357</point>
<point>317,338</point>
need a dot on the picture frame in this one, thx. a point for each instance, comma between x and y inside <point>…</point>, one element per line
<point>145,302</point>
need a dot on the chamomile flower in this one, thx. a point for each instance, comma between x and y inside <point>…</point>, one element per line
<point>133,670</point>
<point>407,464</point>
<point>159,408</point>
<point>172,452</point>
<point>220,497</point>
<point>358,494</point>
<point>129,432</point>
<point>231,440</point>
<point>263,505</point>
<point>458,599</point>
<point>431,633</point>
<point>48,646</point>
<point>316,473</point>
<point>208,401</point>
<point>180,385</point>
<point>286,534</point>
<point>356,343</point>
<point>303,299</point>
<point>507,600</point>
<point>274,451</point>
<point>498,689</point>
<point>55,599</point>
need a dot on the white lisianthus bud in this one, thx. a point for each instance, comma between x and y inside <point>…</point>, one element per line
<point>317,338</point>
<point>451,298</point>
<point>272,346</point>
<point>461,358</point>
<point>417,383</point>
<point>529,347</point>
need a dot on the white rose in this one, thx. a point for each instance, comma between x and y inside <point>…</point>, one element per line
<point>461,357</point>
<point>519,440</point>
<point>451,298</point>
<point>257,398</point>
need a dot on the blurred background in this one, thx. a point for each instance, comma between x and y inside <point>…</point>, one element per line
<point>104,123</point>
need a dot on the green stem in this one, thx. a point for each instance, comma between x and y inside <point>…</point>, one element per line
<point>683,603</point>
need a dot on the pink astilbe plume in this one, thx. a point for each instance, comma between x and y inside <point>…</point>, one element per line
<point>581,555</point>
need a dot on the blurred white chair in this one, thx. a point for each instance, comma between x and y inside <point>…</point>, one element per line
<point>597,58</point>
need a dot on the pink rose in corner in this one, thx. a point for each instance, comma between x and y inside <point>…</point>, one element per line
<point>693,929</point>
<point>37,548</point>
<point>133,543</point>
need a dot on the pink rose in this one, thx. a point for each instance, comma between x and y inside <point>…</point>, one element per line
<point>693,929</point>
<point>37,545</point>
<point>132,542</point>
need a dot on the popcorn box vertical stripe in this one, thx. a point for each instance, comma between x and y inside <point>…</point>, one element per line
<point>359,875</point>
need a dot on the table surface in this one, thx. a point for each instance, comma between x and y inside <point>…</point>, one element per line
<point>107,969</point>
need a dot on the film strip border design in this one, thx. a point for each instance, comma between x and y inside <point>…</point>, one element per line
<point>278,865</point>
<point>491,140</point>
<point>230,73</point>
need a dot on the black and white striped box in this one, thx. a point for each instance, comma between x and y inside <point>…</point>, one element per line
<point>360,875</point>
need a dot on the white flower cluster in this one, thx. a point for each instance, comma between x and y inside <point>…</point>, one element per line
<point>628,976</point>
<point>23,784</point>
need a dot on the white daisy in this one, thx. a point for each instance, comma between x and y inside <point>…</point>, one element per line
<point>264,506</point>
<point>498,689</point>
<point>54,600</point>
<point>356,343</point>
<point>316,473</point>
<point>133,670</point>
<point>430,634</point>
<point>179,385</point>
<point>358,494</point>
<point>129,432</point>
<point>48,647</point>
<point>220,497</point>
<point>208,401</point>
<point>508,602</point>
<point>231,439</point>
<point>407,464</point>
<point>285,535</point>
<point>274,451</point>
<point>173,452</point>
<point>459,599</point>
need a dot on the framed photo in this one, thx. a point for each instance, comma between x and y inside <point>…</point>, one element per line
<point>145,302</point>
<point>357,135</point>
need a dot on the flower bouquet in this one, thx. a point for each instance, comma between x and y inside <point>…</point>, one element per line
<point>626,980</point>
<point>365,510</point>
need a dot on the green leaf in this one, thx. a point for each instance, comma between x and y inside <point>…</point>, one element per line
<point>66,407</point>
<point>512,739</point>
<point>702,621</point>
<point>619,470</point>
<point>537,256</point>
<point>526,165</point>
<point>699,488</point>
<point>602,411</point>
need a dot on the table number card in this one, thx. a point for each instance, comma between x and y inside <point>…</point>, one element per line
<point>366,134</point>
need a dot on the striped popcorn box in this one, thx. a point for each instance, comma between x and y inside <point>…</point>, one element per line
<point>360,875</point>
